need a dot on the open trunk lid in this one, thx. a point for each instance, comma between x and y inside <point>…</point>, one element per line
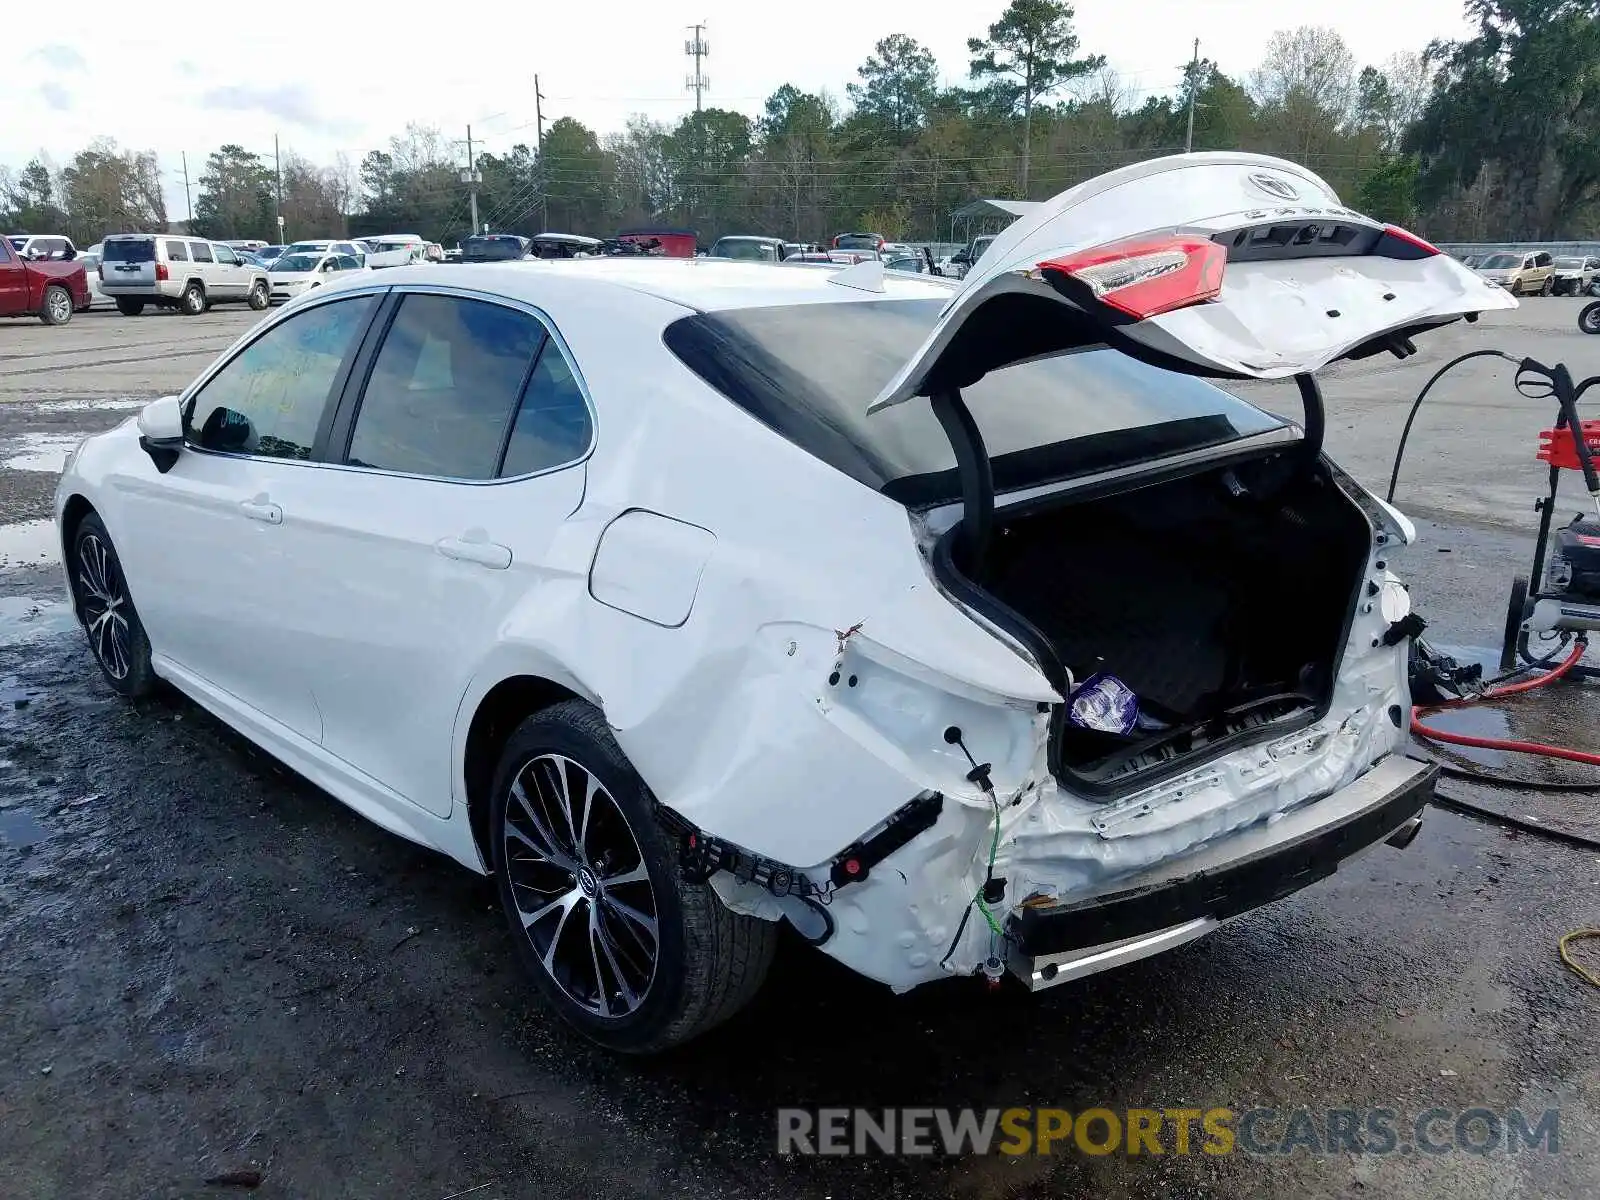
<point>1220,264</point>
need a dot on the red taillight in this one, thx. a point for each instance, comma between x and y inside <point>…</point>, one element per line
<point>1144,277</point>
<point>161,272</point>
<point>1402,243</point>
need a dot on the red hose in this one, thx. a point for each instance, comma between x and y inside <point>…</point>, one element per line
<point>1512,689</point>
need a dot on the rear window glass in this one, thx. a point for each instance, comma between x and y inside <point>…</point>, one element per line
<point>133,250</point>
<point>809,371</point>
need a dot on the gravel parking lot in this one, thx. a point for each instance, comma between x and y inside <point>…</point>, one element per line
<point>211,966</point>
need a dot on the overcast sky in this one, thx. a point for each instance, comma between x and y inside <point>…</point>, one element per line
<point>327,78</point>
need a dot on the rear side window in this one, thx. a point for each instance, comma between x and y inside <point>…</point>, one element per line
<point>444,388</point>
<point>809,371</point>
<point>270,397</point>
<point>131,250</point>
<point>202,251</point>
<point>177,252</point>
<point>552,426</point>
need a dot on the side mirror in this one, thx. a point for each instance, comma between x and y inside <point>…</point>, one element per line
<point>161,431</point>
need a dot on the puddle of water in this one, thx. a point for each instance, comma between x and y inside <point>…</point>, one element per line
<point>25,619</point>
<point>41,452</point>
<point>29,544</point>
<point>1480,722</point>
<point>101,404</point>
<point>19,829</point>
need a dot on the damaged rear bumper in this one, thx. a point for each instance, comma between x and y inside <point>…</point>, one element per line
<point>1178,901</point>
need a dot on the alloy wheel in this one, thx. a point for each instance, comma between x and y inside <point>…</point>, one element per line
<point>60,306</point>
<point>580,885</point>
<point>105,604</point>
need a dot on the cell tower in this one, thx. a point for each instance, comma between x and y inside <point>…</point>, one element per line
<point>698,49</point>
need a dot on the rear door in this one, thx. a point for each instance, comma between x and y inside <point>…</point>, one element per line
<point>128,263</point>
<point>463,456</point>
<point>1233,265</point>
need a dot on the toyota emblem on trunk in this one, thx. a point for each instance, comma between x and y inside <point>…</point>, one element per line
<point>1278,189</point>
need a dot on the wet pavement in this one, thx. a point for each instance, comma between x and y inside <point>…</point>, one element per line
<point>213,967</point>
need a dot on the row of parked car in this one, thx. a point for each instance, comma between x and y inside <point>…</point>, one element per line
<point>48,276</point>
<point>1538,272</point>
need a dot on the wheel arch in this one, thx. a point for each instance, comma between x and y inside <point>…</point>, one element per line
<point>77,507</point>
<point>496,714</point>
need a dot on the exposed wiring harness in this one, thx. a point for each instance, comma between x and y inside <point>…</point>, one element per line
<point>987,893</point>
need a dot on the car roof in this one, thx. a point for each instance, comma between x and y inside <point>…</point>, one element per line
<point>703,284</point>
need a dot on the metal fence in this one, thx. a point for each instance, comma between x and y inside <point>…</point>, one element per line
<point>1558,249</point>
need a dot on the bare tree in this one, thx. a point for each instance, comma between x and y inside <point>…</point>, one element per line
<point>1310,65</point>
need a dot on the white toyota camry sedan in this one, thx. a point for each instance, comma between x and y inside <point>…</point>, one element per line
<point>966,629</point>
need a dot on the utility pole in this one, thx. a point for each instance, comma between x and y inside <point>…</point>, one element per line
<point>1194,86</point>
<point>471,178</point>
<point>277,168</point>
<point>188,201</point>
<point>538,134</point>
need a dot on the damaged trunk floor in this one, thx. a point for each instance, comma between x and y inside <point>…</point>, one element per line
<point>213,968</point>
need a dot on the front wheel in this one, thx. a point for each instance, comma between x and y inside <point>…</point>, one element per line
<point>1548,286</point>
<point>619,944</point>
<point>260,297</point>
<point>116,635</point>
<point>57,307</point>
<point>1589,317</point>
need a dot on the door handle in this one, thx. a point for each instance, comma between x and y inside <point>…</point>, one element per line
<point>261,509</point>
<point>475,547</point>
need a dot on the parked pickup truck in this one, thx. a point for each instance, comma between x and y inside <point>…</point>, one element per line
<point>51,290</point>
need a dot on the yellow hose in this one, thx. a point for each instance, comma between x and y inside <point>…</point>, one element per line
<point>1578,968</point>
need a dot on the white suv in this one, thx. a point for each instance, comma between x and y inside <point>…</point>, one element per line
<point>189,274</point>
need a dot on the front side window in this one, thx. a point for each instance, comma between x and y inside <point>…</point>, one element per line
<point>269,399</point>
<point>444,387</point>
<point>225,255</point>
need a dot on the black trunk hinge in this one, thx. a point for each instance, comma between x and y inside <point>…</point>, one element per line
<point>1316,422</point>
<point>977,480</point>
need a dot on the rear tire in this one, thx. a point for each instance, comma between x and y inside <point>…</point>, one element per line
<point>260,297</point>
<point>193,301</point>
<point>1589,317</point>
<point>105,606</point>
<point>130,308</point>
<point>622,947</point>
<point>57,306</point>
